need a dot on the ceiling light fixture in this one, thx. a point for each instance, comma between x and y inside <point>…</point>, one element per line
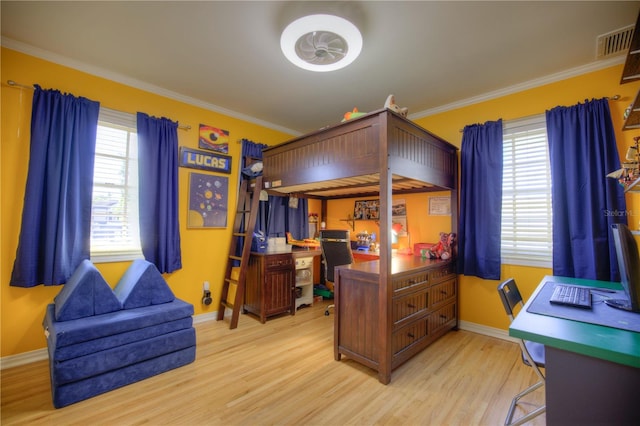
<point>321,42</point>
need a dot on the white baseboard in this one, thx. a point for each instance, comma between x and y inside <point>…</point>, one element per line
<point>485,330</point>
<point>41,354</point>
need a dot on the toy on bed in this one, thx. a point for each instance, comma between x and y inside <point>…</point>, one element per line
<point>353,114</point>
<point>307,242</point>
<point>443,249</point>
<point>391,104</point>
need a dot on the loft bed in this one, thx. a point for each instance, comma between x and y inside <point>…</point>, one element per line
<point>380,154</point>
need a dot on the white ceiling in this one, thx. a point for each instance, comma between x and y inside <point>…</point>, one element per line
<point>226,55</point>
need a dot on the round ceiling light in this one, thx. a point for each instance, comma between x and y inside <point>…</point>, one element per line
<point>321,42</point>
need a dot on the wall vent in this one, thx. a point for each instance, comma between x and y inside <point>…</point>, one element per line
<point>614,43</point>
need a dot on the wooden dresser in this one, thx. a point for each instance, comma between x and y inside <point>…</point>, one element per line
<point>383,330</point>
<point>270,285</point>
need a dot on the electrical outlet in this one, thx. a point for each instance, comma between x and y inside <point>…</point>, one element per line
<point>206,294</point>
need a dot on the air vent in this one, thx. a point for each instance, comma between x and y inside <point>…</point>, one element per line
<point>614,43</point>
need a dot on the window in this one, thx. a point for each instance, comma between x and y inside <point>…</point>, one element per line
<point>526,194</point>
<point>114,213</point>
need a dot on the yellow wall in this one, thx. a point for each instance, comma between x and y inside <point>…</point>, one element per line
<point>479,302</point>
<point>204,251</point>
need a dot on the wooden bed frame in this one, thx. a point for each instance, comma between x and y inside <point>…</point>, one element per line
<point>380,154</point>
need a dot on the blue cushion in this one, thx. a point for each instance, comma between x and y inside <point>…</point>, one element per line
<point>66,333</point>
<point>70,393</point>
<point>85,294</point>
<point>142,285</point>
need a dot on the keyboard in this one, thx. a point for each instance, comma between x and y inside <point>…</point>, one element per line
<point>570,295</point>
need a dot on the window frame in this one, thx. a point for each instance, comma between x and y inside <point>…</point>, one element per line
<point>122,121</point>
<point>540,217</point>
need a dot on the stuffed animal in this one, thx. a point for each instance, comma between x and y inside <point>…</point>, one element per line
<point>391,104</point>
<point>352,114</point>
<point>444,249</point>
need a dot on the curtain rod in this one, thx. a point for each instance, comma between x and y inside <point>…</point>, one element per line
<point>24,86</point>
<point>611,98</point>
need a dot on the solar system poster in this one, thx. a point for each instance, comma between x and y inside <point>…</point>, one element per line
<point>208,197</point>
<point>213,139</point>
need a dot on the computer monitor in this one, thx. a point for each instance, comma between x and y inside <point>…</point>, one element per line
<point>629,265</point>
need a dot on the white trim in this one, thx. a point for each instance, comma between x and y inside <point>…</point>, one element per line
<point>486,330</point>
<point>128,81</point>
<point>42,354</point>
<point>531,84</point>
<point>23,358</point>
<point>62,60</point>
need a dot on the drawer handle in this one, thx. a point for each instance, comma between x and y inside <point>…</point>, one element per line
<point>412,282</point>
<point>444,317</point>
<point>443,292</point>
<point>411,305</point>
<point>411,335</point>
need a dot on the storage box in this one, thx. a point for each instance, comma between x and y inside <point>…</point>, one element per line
<point>258,243</point>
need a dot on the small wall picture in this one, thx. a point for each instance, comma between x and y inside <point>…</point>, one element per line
<point>213,139</point>
<point>398,208</point>
<point>367,210</point>
<point>208,199</point>
<point>440,206</point>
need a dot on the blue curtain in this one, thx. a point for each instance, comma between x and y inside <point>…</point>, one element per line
<point>278,217</point>
<point>56,216</point>
<point>158,191</point>
<point>582,150</point>
<point>480,200</point>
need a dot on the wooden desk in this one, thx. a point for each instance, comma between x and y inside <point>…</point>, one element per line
<point>592,371</point>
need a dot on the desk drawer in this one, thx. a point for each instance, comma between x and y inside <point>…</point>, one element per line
<point>410,282</point>
<point>407,307</point>
<point>443,292</point>
<point>410,335</point>
<point>279,261</point>
<point>445,317</point>
<point>443,273</point>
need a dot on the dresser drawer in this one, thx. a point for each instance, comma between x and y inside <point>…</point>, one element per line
<point>445,317</point>
<point>442,273</point>
<point>410,282</point>
<point>408,336</point>
<point>276,261</point>
<point>407,307</point>
<point>442,292</point>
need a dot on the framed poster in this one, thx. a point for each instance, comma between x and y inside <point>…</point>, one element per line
<point>398,208</point>
<point>367,210</point>
<point>208,198</point>
<point>213,139</point>
<point>440,206</point>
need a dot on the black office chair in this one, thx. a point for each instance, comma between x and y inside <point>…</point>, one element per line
<point>336,251</point>
<point>532,352</point>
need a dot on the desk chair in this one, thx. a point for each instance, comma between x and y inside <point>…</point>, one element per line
<point>336,251</point>
<point>532,352</point>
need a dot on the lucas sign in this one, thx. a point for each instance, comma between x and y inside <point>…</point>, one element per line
<point>203,160</point>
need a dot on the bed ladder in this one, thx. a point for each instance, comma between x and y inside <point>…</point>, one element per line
<point>242,236</point>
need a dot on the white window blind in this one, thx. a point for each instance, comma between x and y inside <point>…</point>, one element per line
<point>114,213</point>
<point>526,194</point>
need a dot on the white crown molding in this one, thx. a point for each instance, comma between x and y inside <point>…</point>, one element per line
<point>128,81</point>
<point>531,84</point>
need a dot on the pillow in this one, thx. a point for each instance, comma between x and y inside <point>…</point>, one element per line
<point>85,294</point>
<point>142,285</point>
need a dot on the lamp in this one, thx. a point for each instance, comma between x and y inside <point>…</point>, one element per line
<point>321,42</point>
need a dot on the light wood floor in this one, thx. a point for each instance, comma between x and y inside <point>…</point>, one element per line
<point>283,373</point>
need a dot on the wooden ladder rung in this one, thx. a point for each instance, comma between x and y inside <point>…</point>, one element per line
<point>245,218</point>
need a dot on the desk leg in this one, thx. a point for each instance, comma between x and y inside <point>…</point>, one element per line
<point>582,390</point>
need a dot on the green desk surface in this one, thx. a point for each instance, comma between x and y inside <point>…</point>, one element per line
<point>597,341</point>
